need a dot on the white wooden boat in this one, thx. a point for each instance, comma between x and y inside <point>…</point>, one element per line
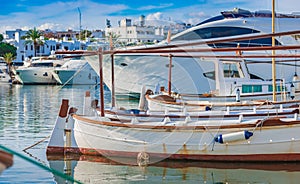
<point>162,102</point>
<point>256,139</point>
<point>233,110</point>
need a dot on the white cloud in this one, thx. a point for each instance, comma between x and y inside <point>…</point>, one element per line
<point>51,26</point>
<point>154,16</point>
<point>152,7</point>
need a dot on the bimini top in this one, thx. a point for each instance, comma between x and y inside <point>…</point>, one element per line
<point>238,13</point>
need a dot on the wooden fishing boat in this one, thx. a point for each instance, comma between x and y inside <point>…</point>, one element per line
<point>256,139</point>
<point>243,110</point>
<point>161,102</point>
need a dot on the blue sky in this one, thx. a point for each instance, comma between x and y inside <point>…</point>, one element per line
<point>63,14</point>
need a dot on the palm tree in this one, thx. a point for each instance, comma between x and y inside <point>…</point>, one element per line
<point>33,37</point>
<point>8,58</point>
<point>113,38</point>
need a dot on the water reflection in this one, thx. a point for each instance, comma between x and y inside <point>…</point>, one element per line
<point>91,169</point>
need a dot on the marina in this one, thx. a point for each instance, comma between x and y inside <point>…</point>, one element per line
<point>214,102</point>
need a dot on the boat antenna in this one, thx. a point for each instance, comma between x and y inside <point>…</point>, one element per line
<point>273,52</point>
<point>295,64</point>
<point>79,22</point>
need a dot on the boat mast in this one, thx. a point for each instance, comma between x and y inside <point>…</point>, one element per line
<point>170,74</point>
<point>100,55</point>
<point>113,96</point>
<point>273,52</point>
<point>79,22</point>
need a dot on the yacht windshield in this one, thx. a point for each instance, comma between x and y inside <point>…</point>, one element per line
<point>42,64</point>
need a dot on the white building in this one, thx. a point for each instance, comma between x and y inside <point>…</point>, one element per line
<point>27,50</point>
<point>129,33</point>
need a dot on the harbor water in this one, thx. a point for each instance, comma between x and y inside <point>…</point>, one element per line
<point>27,116</point>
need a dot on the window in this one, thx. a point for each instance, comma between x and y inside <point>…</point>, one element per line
<point>278,88</point>
<point>217,32</point>
<point>42,64</point>
<point>251,88</point>
<point>210,75</point>
<point>230,70</point>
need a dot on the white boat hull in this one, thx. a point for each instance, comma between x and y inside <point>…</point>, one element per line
<point>134,72</point>
<point>71,77</point>
<point>266,143</point>
<point>36,76</point>
<point>80,74</point>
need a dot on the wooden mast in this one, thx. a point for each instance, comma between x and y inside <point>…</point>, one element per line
<point>100,55</point>
<point>170,74</point>
<point>113,96</point>
<point>273,52</point>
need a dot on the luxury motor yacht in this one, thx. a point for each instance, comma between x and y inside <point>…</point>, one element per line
<point>189,73</point>
<point>40,70</point>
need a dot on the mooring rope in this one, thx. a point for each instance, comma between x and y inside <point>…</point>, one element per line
<point>36,143</point>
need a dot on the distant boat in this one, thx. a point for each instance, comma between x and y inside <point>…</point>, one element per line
<point>40,70</point>
<point>4,75</point>
<point>76,72</point>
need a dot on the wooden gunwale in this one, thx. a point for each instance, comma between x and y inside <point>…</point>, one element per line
<point>271,122</point>
<point>242,95</point>
<point>296,111</point>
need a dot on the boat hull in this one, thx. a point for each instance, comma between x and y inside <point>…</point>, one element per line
<point>270,142</point>
<point>71,77</point>
<point>36,76</point>
<point>76,72</point>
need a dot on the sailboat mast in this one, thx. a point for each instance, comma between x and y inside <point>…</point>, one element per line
<point>273,52</point>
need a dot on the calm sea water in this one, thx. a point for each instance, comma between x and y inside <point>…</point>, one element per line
<point>27,116</point>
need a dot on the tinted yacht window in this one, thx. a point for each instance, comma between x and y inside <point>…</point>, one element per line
<point>218,32</point>
<point>215,32</point>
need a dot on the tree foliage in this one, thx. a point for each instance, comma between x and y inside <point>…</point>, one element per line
<point>1,37</point>
<point>85,34</point>
<point>33,36</point>
<point>8,58</point>
<point>7,48</point>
